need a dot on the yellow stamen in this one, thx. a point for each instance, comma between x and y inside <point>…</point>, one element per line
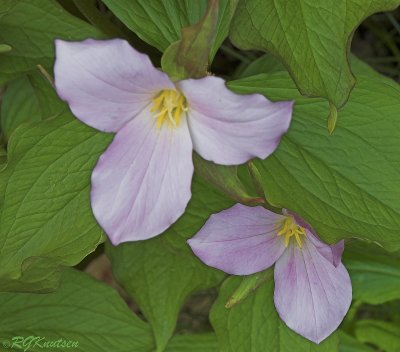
<point>169,104</point>
<point>290,229</point>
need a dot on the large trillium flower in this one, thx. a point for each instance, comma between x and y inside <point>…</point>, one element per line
<point>141,184</point>
<point>312,287</point>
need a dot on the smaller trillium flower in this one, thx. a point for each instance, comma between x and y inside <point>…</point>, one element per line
<point>142,182</point>
<point>312,287</point>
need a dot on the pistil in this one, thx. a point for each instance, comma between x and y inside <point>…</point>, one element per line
<point>169,105</point>
<point>291,229</point>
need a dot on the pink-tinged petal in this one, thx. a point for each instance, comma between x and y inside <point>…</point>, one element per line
<point>106,82</point>
<point>141,184</point>
<point>240,240</point>
<point>312,296</point>
<point>337,251</point>
<point>331,252</point>
<point>229,128</point>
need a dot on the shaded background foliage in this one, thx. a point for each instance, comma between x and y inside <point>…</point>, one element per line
<point>373,322</point>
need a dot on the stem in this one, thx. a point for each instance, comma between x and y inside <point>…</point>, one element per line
<point>377,60</point>
<point>235,54</point>
<point>46,75</point>
<point>393,21</point>
<point>97,18</point>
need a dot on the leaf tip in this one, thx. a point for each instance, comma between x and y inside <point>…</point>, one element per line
<point>332,118</point>
<point>231,302</point>
<point>5,48</point>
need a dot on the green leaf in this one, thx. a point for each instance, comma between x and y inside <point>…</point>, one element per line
<point>332,118</point>
<point>312,39</point>
<point>379,333</point>
<point>161,273</point>
<point>348,343</point>
<point>5,48</point>
<point>195,343</point>
<point>99,19</point>
<point>159,22</point>
<point>49,103</point>
<point>375,276</point>
<point>31,27</point>
<point>189,56</point>
<point>45,211</point>
<point>225,179</point>
<point>264,64</point>
<point>19,105</point>
<point>81,310</point>
<point>3,157</point>
<point>38,274</point>
<point>254,325</point>
<point>345,185</point>
<point>249,284</point>
<point>30,98</point>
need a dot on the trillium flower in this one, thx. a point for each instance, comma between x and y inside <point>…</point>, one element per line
<point>142,182</point>
<point>312,287</point>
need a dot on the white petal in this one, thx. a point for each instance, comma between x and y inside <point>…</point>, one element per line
<point>106,82</point>
<point>229,128</point>
<point>141,184</point>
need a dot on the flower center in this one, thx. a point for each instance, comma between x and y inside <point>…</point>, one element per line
<point>169,104</point>
<point>290,229</point>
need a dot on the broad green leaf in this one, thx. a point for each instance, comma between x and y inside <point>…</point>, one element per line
<point>49,103</point>
<point>45,213</point>
<point>3,157</point>
<point>379,333</point>
<point>159,22</point>
<point>249,284</point>
<point>345,185</point>
<point>30,28</point>
<point>5,48</point>
<point>161,273</point>
<point>38,274</point>
<point>30,98</point>
<point>82,310</point>
<point>348,343</point>
<point>264,64</point>
<point>312,39</point>
<point>225,179</point>
<point>194,343</point>
<point>254,325</point>
<point>189,56</point>
<point>19,105</point>
<point>375,276</point>
<point>100,20</point>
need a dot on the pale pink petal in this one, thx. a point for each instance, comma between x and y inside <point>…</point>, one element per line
<point>229,128</point>
<point>331,252</point>
<point>337,251</point>
<point>312,296</point>
<point>240,240</point>
<point>106,82</point>
<point>141,184</point>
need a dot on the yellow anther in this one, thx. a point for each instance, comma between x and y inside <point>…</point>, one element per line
<point>169,104</point>
<point>290,229</point>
